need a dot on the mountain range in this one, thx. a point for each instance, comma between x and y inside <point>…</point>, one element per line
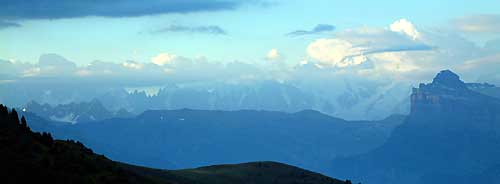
<point>450,135</point>
<point>75,112</point>
<point>347,100</point>
<point>187,138</point>
<point>29,157</point>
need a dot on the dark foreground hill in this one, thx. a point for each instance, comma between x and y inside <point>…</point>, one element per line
<point>28,157</point>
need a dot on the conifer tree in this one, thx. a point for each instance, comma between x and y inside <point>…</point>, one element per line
<point>14,117</point>
<point>24,124</point>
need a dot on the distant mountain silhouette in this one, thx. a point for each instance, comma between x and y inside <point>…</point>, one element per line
<point>75,112</point>
<point>28,157</point>
<point>191,138</point>
<point>452,135</point>
<point>347,99</point>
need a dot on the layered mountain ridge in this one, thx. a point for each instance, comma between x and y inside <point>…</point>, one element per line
<point>190,138</point>
<point>29,157</point>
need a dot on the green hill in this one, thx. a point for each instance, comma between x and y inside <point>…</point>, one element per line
<point>29,157</point>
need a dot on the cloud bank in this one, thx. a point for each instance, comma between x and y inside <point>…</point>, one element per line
<point>211,29</point>
<point>478,23</point>
<point>399,52</point>
<point>320,28</point>
<point>57,9</point>
<point>352,47</point>
<point>5,24</point>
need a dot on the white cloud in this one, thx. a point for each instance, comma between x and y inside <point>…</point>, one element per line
<point>374,53</point>
<point>31,72</point>
<point>395,61</point>
<point>353,47</point>
<point>406,27</point>
<point>487,65</point>
<point>132,65</point>
<point>163,59</point>
<point>336,52</point>
<point>402,52</point>
<point>273,54</point>
<point>83,73</point>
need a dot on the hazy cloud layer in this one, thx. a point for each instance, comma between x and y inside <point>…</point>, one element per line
<point>398,53</point>
<point>163,68</point>
<point>56,9</point>
<point>478,23</point>
<point>320,28</point>
<point>211,29</point>
<point>6,24</point>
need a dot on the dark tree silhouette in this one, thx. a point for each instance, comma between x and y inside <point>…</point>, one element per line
<point>24,124</point>
<point>14,117</point>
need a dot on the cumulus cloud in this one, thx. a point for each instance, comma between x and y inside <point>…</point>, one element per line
<point>406,27</point>
<point>273,54</point>
<point>55,9</point>
<point>403,52</point>
<point>352,47</point>
<point>336,52</point>
<point>320,28</point>
<point>163,58</point>
<point>211,29</point>
<point>478,23</point>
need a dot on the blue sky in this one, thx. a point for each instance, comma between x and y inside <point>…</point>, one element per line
<point>252,29</point>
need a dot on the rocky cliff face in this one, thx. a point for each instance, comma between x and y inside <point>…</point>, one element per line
<point>436,97</point>
<point>448,96</point>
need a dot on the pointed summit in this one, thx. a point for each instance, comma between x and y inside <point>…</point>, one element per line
<point>448,79</point>
<point>448,94</point>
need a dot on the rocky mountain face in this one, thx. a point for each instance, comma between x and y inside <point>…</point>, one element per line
<point>452,135</point>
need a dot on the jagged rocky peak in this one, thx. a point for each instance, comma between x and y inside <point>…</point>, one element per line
<point>436,95</point>
<point>448,79</point>
<point>445,82</point>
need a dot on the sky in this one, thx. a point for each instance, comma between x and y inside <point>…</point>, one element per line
<point>365,38</point>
